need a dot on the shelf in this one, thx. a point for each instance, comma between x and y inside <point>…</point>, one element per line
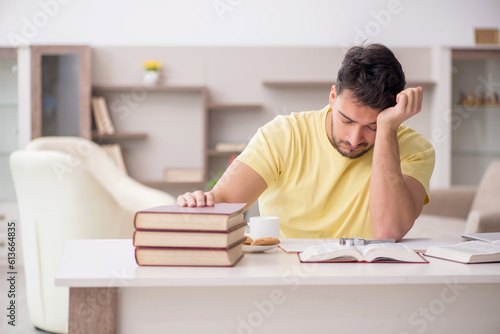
<point>214,153</point>
<point>481,53</point>
<point>478,106</point>
<point>186,88</point>
<point>176,184</point>
<point>299,84</point>
<point>117,136</point>
<point>221,106</point>
<point>324,84</point>
<point>415,83</point>
<point>476,153</point>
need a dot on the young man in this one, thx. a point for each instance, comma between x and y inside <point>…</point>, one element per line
<point>349,170</point>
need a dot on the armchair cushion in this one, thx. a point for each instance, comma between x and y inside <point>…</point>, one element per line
<point>457,210</point>
<point>433,226</point>
<point>483,221</point>
<point>451,202</point>
<point>488,192</point>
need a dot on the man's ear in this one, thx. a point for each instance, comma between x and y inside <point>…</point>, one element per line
<point>333,95</point>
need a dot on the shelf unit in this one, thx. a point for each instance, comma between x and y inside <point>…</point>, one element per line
<point>134,89</point>
<point>208,152</point>
<point>140,93</point>
<point>474,127</point>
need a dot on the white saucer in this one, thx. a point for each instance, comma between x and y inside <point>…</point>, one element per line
<point>257,249</point>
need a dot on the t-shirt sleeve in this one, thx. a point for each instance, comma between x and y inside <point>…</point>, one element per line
<point>267,151</point>
<point>417,159</point>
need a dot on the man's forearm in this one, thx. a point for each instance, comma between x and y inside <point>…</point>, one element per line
<point>239,184</point>
<point>392,210</point>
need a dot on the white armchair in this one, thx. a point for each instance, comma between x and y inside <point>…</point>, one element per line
<point>68,188</point>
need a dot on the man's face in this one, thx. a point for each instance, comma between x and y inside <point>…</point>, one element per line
<point>354,125</point>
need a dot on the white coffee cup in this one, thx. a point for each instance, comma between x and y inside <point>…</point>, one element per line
<point>262,227</point>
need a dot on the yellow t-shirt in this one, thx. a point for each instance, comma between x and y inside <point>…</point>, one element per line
<point>316,192</point>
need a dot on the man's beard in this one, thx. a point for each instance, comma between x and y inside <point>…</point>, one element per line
<point>350,155</point>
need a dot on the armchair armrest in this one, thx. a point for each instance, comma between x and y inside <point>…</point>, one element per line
<point>450,202</point>
<point>135,196</point>
<point>483,221</point>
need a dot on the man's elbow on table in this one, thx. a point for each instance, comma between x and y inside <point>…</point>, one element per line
<point>392,231</point>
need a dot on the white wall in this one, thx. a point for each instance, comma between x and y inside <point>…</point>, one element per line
<point>323,23</point>
<point>250,23</point>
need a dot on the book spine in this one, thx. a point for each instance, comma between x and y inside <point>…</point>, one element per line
<point>224,249</point>
<point>190,265</point>
<point>234,228</point>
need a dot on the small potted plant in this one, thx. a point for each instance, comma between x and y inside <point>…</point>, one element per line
<point>213,181</point>
<point>152,70</point>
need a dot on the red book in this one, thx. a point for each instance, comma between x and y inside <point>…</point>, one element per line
<point>383,252</point>
<point>192,257</point>
<point>220,217</point>
<point>189,238</point>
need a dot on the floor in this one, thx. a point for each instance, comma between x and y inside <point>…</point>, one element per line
<point>23,324</point>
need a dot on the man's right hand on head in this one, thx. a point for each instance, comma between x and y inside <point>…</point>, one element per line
<point>196,199</point>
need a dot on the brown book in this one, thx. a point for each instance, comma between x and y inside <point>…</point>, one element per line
<point>220,217</point>
<point>192,257</point>
<point>176,238</point>
<point>102,117</point>
<point>99,122</point>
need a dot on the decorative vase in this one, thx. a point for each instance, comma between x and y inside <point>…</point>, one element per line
<point>151,78</point>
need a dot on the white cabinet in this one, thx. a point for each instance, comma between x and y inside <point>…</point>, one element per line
<point>60,90</point>
<point>475,118</point>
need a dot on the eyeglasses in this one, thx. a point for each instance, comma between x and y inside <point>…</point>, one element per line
<point>362,241</point>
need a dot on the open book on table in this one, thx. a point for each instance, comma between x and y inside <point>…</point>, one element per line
<point>382,252</point>
<point>487,237</point>
<point>467,252</point>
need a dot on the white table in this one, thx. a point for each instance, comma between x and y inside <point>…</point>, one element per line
<point>273,292</point>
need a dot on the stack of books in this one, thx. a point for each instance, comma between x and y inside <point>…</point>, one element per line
<point>171,235</point>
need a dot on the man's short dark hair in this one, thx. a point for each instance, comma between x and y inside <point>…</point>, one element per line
<point>373,75</point>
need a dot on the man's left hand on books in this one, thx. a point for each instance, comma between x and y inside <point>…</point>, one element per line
<point>408,104</point>
<point>197,198</point>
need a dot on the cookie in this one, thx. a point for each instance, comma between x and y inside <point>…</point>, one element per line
<point>265,241</point>
<point>248,241</point>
